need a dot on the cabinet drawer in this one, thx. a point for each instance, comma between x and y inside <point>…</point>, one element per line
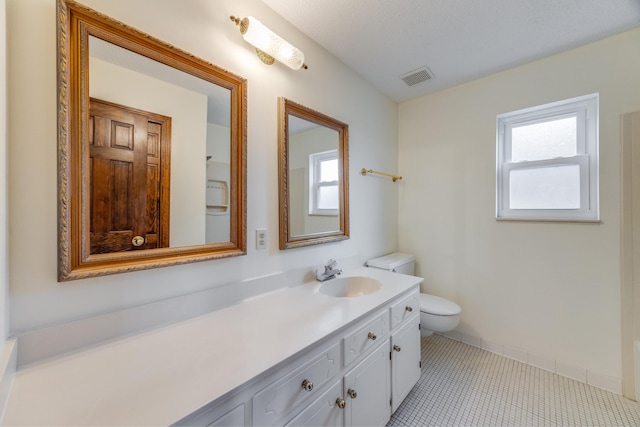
<point>235,417</point>
<point>366,337</point>
<point>404,309</point>
<point>273,402</point>
<point>323,411</point>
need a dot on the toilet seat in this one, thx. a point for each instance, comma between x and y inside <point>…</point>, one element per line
<point>439,306</point>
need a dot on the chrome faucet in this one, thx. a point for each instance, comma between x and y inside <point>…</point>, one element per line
<point>328,271</point>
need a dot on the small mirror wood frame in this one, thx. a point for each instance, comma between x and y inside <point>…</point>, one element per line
<point>75,24</point>
<point>289,108</point>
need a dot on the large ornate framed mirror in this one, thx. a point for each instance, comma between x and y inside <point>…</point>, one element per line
<point>152,151</point>
<point>313,154</point>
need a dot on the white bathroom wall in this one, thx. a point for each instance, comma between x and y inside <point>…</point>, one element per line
<point>218,222</point>
<point>548,291</point>
<point>4,185</point>
<point>203,28</point>
<point>8,347</point>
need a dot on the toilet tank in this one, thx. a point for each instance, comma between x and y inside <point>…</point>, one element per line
<point>396,262</point>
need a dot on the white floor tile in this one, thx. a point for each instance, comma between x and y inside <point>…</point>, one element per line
<point>462,385</point>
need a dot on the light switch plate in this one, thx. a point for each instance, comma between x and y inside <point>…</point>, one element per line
<point>262,238</point>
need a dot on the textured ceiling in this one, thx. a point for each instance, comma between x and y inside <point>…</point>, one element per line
<point>458,40</point>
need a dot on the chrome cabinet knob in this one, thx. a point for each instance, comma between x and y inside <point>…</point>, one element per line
<point>352,393</point>
<point>397,348</point>
<point>307,385</point>
<point>340,403</point>
<point>409,308</point>
<point>372,336</point>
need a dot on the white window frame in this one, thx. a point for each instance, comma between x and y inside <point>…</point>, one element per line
<point>585,108</point>
<point>314,182</point>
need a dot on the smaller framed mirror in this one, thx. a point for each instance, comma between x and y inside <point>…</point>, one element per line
<point>313,156</point>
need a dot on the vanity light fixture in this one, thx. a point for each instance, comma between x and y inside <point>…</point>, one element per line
<point>268,44</point>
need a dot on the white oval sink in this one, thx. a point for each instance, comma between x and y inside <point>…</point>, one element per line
<point>355,286</point>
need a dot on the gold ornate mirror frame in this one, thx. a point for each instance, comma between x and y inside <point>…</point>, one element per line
<point>75,24</point>
<point>288,109</point>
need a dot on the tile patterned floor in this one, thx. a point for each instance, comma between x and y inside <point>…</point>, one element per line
<point>462,385</point>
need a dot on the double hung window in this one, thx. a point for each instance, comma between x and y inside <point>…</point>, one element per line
<point>323,183</point>
<point>547,161</point>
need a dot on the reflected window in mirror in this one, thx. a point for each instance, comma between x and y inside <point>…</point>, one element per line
<point>324,189</point>
<point>313,153</point>
<point>152,160</point>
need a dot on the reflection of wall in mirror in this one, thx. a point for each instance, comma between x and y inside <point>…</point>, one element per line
<point>188,111</point>
<point>218,170</point>
<point>301,145</point>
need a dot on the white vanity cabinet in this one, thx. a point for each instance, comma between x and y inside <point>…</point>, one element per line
<point>288,356</point>
<point>356,376</point>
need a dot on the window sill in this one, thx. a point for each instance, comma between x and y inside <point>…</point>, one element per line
<point>565,220</point>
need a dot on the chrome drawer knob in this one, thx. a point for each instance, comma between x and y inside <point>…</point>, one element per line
<point>397,348</point>
<point>307,385</point>
<point>371,336</point>
<point>409,308</point>
<point>352,393</point>
<point>340,403</point>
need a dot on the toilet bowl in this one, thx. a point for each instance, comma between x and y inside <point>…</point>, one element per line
<point>437,315</point>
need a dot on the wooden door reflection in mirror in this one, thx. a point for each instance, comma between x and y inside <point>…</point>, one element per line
<point>313,172</point>
<point>129,172</point>
<point>152,151</point>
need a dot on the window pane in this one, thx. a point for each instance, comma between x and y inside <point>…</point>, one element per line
<point>328,197</point>
<point>556,187</point>
<point>329,170</point>
<point>546,140</point>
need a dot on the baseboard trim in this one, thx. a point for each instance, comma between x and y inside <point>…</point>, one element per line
<point>605,382</point>
<point>637,368</point>
<point>8,364</point>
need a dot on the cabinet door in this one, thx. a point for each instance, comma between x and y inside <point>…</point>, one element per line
<point>323,411</point>
<point>367,390</point>
<point>405,365</point>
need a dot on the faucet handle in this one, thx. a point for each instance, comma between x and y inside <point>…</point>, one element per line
<point>331,264</point>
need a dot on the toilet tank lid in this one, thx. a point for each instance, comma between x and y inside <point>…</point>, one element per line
<point>435,305</point>
<point>390,261</point>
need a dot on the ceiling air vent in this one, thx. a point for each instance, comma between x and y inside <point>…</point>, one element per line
<point>417,76</point>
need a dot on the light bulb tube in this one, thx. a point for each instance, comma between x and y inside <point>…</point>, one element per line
<point>261,37</point>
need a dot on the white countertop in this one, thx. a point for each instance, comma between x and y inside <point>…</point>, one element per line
<point>159,377</point>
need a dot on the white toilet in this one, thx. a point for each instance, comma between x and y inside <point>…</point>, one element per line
<point>436,314</point>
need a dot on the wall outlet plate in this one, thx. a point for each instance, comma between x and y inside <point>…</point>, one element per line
<point>262,238</point>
